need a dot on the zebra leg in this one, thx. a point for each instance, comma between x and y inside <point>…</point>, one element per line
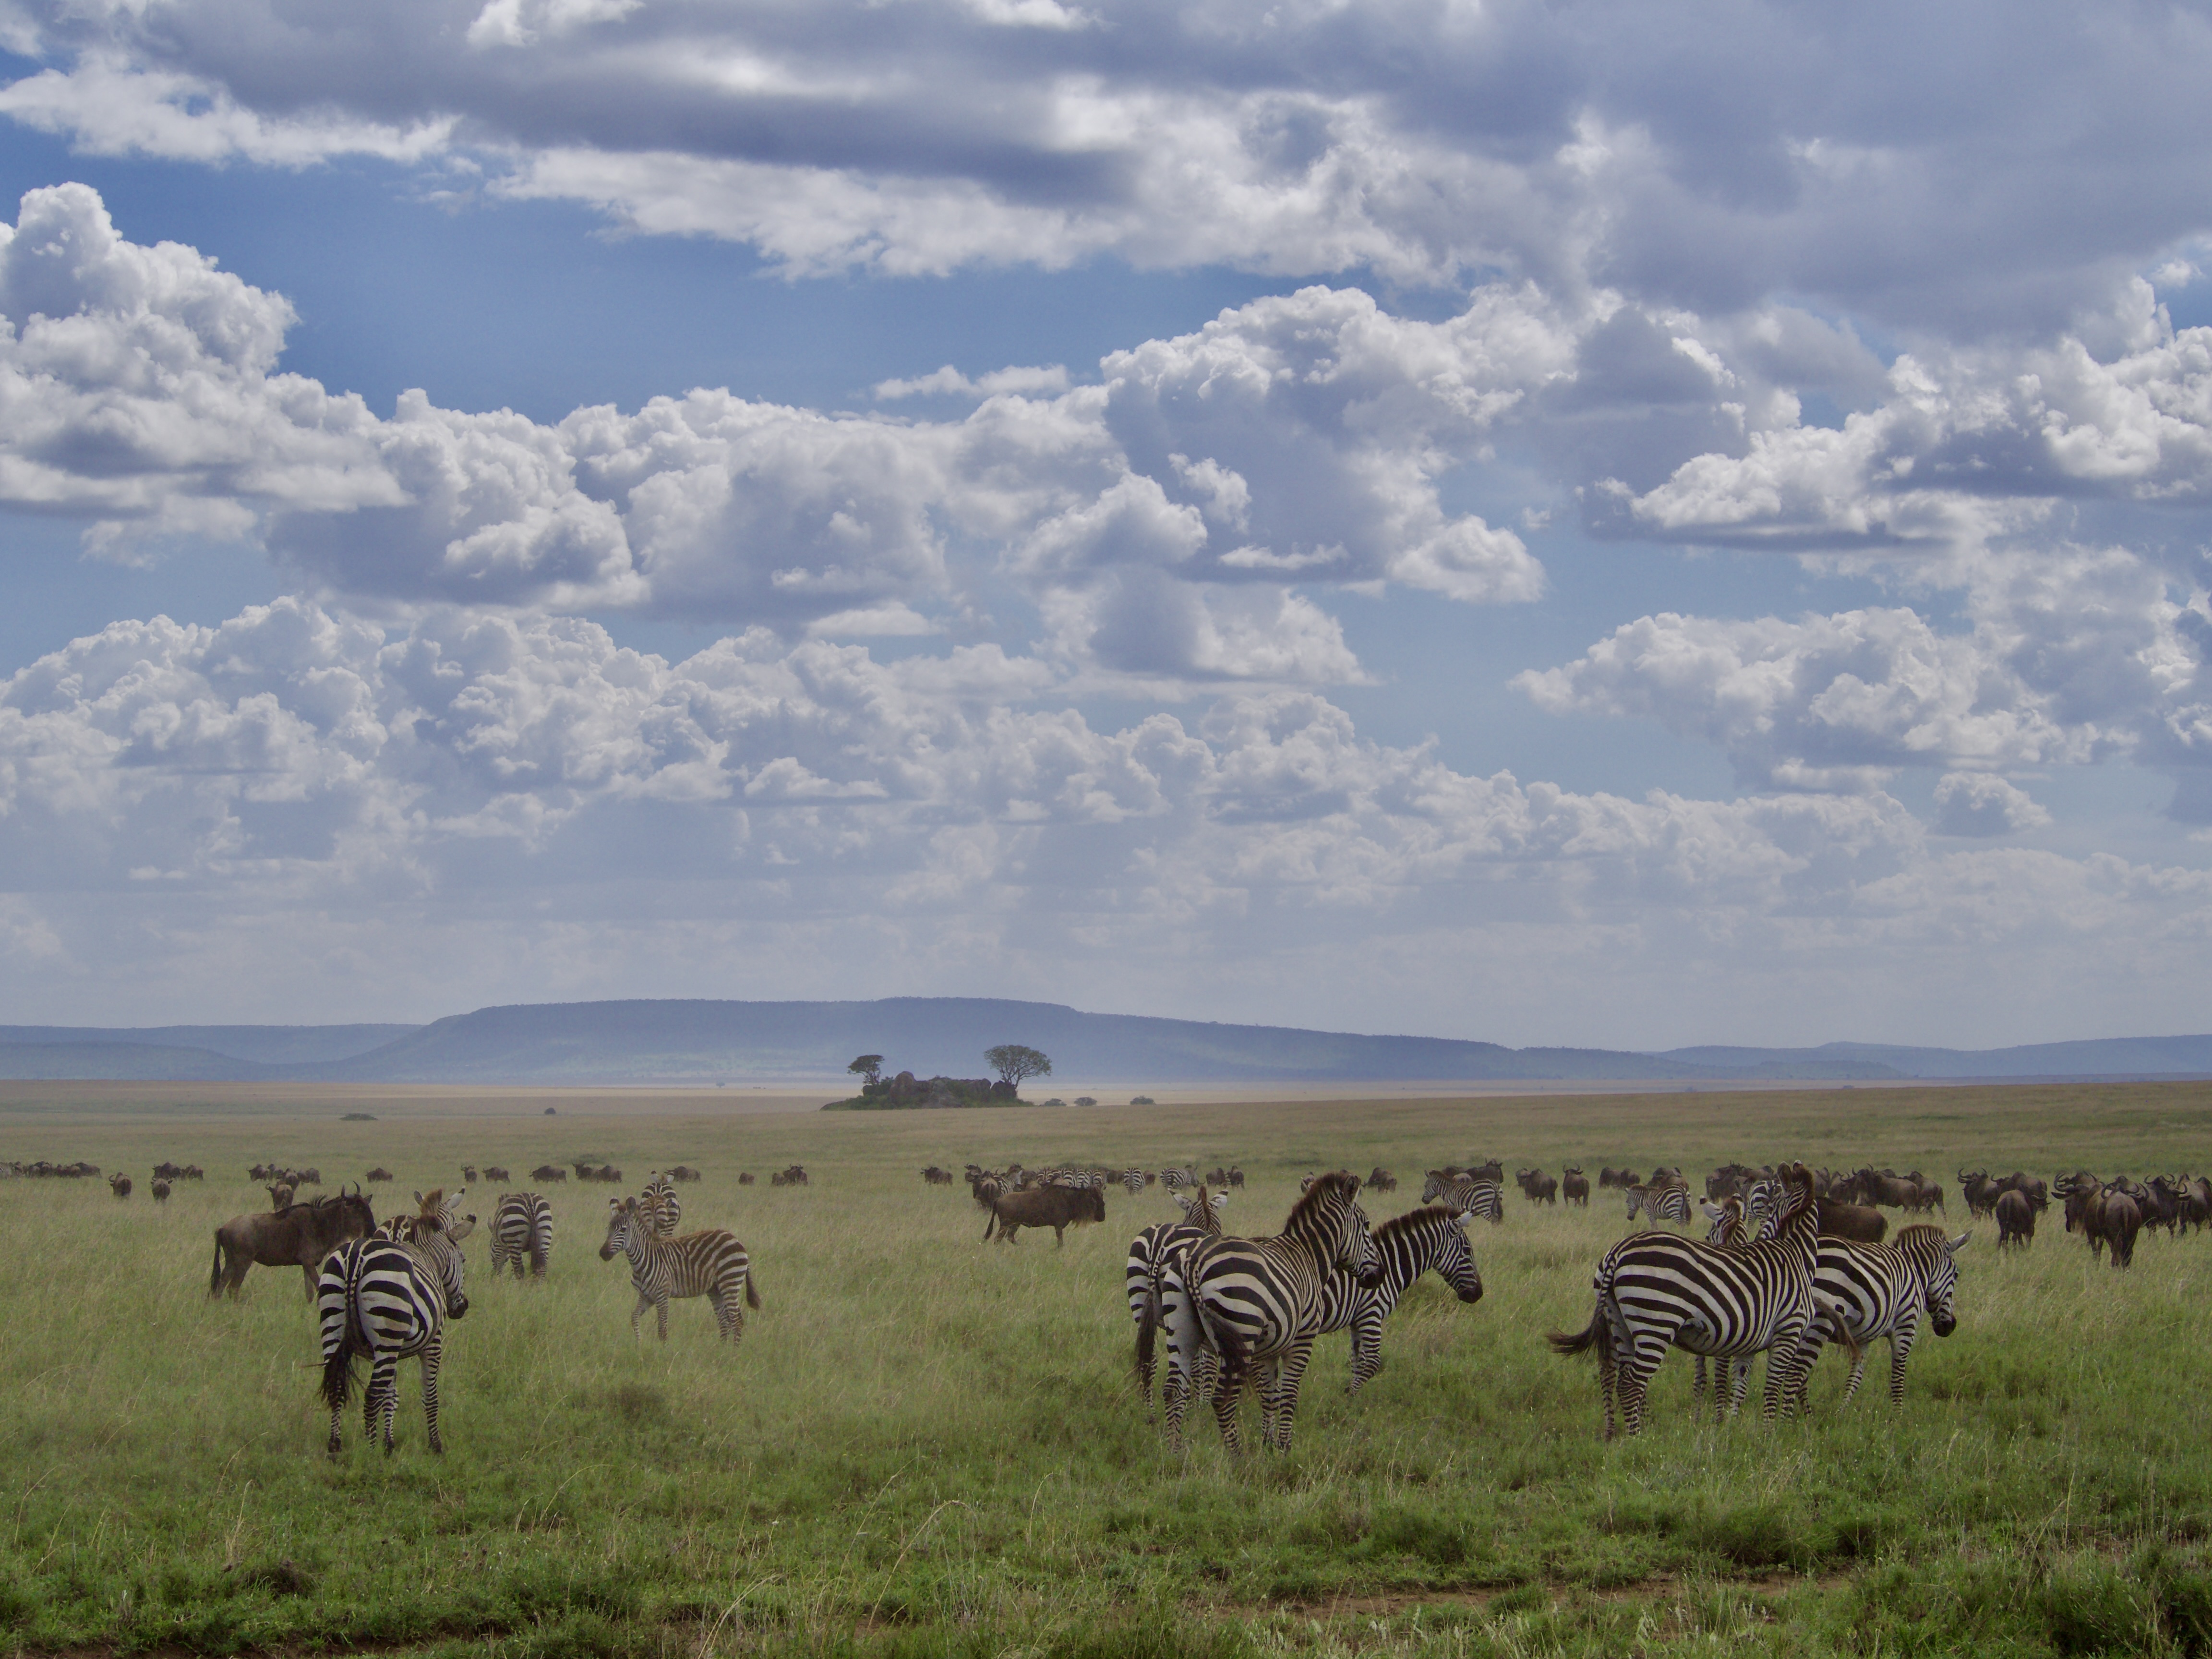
<point>660,1308</point>
<point>1225,1399</point>
<point>1366,1354</point>
<point>383,1397</point>
<point>1698,1386</point>
<point>1290,1372</point>
<point>1633,1370</point>
<point>432,1350</point>
<point>644,1301</point>
<point>1738,1374</point>
<point>1900,1349</point>
<point>337,1412</point>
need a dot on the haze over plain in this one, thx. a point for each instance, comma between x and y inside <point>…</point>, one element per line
<point>1553,525</point>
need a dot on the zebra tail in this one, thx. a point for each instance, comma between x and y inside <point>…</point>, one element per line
<point>1147,1334</point>
<point>752,1289</point>
<point>1562,1343</point>
<point>337,1378</point>
<point>1838,1323</point>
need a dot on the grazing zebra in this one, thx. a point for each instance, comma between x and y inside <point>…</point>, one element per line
<point>1477,1196</point>
<point>1656,1289</point>
<point>1149,1252</point>
<point>1256,1303</point>
<point>1878,1289</point>
<point>1179,1180</point>
<point>522,1227</point>
<point>1408,1246</point>
<point>1668,1203</point>
<point>709,1263</point>
<point>660,1207</point>
<point>389,1297</point>
<point>1134,1180</point>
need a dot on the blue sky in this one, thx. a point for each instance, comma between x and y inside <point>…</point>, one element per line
<point>1553,525</point>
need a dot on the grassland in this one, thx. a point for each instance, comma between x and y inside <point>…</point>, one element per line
<point>929,1445</point>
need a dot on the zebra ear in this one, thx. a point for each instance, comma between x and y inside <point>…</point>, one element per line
<point>1220,1200</point>
<point>1713,1211</point>
<point>1961,1241</point>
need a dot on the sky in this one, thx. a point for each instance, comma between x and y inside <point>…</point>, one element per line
<point>1573,523</point>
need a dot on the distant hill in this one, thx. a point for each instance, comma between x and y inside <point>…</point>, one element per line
<point>705,1042</point>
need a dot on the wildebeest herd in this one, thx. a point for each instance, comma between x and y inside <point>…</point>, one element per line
<point>1792,1260</point>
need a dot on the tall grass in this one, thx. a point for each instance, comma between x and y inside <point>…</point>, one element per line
<point>926,1443</point>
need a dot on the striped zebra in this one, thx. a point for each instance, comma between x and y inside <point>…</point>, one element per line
<point>1256,1303</point>
<point>1739,1218</point>
<point>1407,1246</point>
<point>662,1210</point>
<point>1182,1180</point>
<point>1668,1203</point>
<point>1881,1290</point>
<point>388,1298</point>
<point>1475,1195</point>
<point>1149,1252</point>
<point>1134,1181</point>
<point>1655,1290</point>
<point>522,1230</point>
<point>709,1263</point>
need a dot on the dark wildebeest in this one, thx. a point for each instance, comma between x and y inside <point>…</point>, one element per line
<point>497,1173</point>
<point>1382,1181</point>
<point>549,1172</point>
<point>1235,1177</point>
<point>1861,1224</point>
<point>380,1173</point>
<point>683,1172</point>
<point>2033,1188</point>
<point>280,1195</point>
<point>119,1185</point>
<point>161,1191</point>
<point>1979,1191</point>
<point>1576,1186</point>
<point>2015,1219</point>
<point>300,1236</point>
<point>1538,1187</point>
<point>469,1174</point>
<point>1056,1208</point>
<point>2115,1221</point>
<point>1608,1176</point>
<point>937,1177</point>
<point>744,1177</point>
<point>166,1170</point>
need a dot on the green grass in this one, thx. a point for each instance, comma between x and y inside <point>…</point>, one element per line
<point>927,1445</point>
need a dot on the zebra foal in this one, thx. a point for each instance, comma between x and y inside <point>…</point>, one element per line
<point>709,1263</point>
<point>1256,1305</point>
<point>1657,1289</point>
<point>388,1298</point>
<point>522,1230</point>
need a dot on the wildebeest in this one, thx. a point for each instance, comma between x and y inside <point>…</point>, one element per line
<point>549,1172</point>
<point>166,1170</point>
<point>794,1175</point>
<point>1608,1176</point>
<point>1980,1192</point>
<point>744,1177</point>
<point>1537,1186</point>
<point>119,1185</point>
<point>1860,1223</point>
<point>280,1195</point>
<point>2114,1218</point>
<point>937,1177</point>
<point>1056,1208</point>
<point>299,1235</point>
<point>1236,1176</point>
<point>683,1172</point>
<point>2015,1219</point>
<point>1382,1181</point>
<point>496,1173</point>
<point>161,1191</point>
<point>469,1174</point>
<point>1576,1187</point>
<point>380,1173</point>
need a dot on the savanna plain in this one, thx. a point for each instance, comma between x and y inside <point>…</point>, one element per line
<point>927,1444</point>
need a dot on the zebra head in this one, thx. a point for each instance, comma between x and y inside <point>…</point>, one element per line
<point>623,1228</point>
<point>1455,1261</point>
<point>1329,1219</point>
<point>1433,1187</point>
<point>1942,1283</point>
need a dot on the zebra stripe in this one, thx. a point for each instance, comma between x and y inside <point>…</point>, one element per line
<point>1656,1289</point>
<point>388,1298</point>
<point>1256,1304</point>
<point>1134,1181</point>
<point>1880,1289</point>
<point>522,1229</point>
<point>1407,1246</point>
<point>1475,1195</point>
<point>709,1263</point>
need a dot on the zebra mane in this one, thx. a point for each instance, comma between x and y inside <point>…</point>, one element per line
<point>430,1206</point>
<point>1413,1220</point>
<point>1337,1183</point>
<point>1920,1232</point>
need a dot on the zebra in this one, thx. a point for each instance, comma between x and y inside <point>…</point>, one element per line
<point>1477,1196</point>
<point>1668,1203</point>
<point>660,1207</point>
<point>1148,1257</point>
<point>522,1227</point>
<point>1408,1246</point>
<point>389,1297</point>
<point>1256,1304</point>
<point>1743,1218</point>
<point>1656,1289</point>
<point>1179,1180</point>
<point>1878,1289</point>
<point>709,1263</point>
<point>1134,1180</point>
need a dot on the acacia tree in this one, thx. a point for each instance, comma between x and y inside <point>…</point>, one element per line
<point>870,1066</point>
<point>1013,1063</point>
